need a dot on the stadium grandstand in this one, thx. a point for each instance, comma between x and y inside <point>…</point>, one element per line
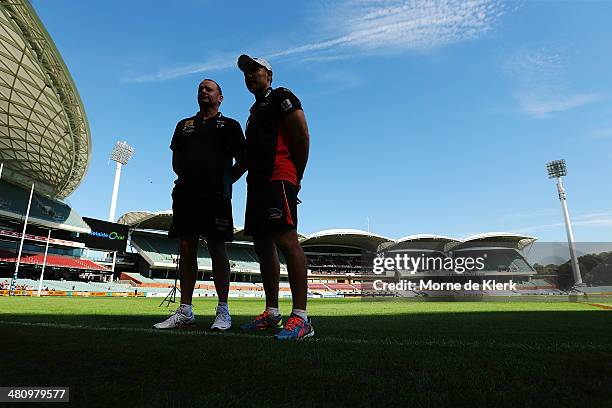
<point>156,258</point>
<point>433,246</point>
<point>45,148</point>
<point>339,260</point>
<point>335,257</point>
<point>158,254</point>
<point>498,253</point>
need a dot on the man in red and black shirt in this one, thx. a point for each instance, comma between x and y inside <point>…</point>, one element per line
<point>277,144</point>
<point>207,157</point>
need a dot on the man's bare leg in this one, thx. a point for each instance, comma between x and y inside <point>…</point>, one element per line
<point>287,242</point>
<point>188,249</point>
<point>188,266</point>
<point>221,274</point>
<point>220,266</point>
<point>269,267</point>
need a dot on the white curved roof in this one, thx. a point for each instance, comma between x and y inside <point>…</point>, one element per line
<point>239,235</point>
<point>346,237</point>
<point>501,239</point>
<point>426,237</point>
<point>345,231</point>
<point>421,241</point>
<point>44,134</point>
<point>160,220</point>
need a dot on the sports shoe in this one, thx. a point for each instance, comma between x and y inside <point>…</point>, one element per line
<point>223,320</point>
<point>263,321</point>
<point>178,319</point>
<point>296,328</point>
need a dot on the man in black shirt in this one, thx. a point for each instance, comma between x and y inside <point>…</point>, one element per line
<point>277,143</point>
<point>207,157</point>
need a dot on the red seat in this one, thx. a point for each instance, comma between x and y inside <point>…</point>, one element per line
<point>58,261</point>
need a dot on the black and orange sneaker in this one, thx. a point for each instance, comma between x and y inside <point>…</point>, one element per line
<point>263,321</point>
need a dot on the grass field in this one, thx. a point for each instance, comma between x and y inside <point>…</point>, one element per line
<point>364,354</point>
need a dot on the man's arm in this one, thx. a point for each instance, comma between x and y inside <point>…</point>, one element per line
<point>176,162</point>
<point>298,140</point>
<point>238,148</point>
<point>238,169</point>
<point>176,154</point>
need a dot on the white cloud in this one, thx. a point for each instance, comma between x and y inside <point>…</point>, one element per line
<point>372,25</point>
<point>531,214</point>
<point>540,86</point>
<point>599,134</point>
<point>363,27</point>
<point>217,62</point>
<point>536,228</point>
<point>595,219</point>
<point>532,66</point>
<point>541,105</point>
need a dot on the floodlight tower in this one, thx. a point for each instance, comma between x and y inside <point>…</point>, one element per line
<point>121,154</point>
<point>557,169</point>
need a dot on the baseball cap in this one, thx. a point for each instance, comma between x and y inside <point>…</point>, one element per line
<point>244,61</point>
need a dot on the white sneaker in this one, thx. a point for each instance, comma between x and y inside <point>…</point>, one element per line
<point>223,320</point>
<point>178,319</point>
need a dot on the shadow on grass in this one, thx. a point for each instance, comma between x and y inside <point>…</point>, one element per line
<point>537,358</point>
<point>581,327</point>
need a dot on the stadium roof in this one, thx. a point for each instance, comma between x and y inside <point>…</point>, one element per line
<point>44,134</point>
<point>160,220</point>
<point>352,238</point>
<point>347,238</point>
<point>420,241</point>
<point>44,211</point>
<point>239,235</point>
<point>496,239</point>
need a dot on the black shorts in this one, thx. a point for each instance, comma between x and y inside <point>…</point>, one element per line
<point>271,207</point>
<point>194,214</point>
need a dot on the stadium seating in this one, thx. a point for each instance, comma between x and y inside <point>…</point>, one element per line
<point>42,208</point>
<point>53,260</point>
<point>340,287</point>
<point>597,289</point>
<point>327,264</point>
<point>163,252</point>
<point>499,260</point>
<point>69,285</point>
<point>240,253</point>
<point>154,248</point>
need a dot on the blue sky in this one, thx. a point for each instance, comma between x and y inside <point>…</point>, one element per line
<point>425,116</point>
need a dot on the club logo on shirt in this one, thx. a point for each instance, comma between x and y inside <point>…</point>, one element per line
<point>286,105</point>
<point>274,213</point>
<point>220,124</point>
<point>189,126</point>
<point>221,222</point>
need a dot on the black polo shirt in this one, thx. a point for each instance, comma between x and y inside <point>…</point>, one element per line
<point>203,154</point>
<point>268,156</point>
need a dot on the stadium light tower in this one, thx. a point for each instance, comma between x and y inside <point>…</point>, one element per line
<point>121,154</point>
<point>557,169</point>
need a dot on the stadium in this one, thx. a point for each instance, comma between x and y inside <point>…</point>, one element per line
<point>79,295</point>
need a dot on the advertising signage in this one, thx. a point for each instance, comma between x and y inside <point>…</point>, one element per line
<point>105,235</point>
